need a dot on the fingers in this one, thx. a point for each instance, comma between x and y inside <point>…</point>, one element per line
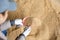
<point>27,21</point>
<point>24,20</point>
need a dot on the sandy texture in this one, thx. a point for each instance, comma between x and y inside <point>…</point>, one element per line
<point>45,25</point>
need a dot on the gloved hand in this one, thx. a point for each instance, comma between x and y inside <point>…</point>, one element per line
<point>27,21</point>
<point>17,22</point>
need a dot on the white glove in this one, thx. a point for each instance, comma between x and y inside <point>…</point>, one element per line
<point>2,36</point>
<point>18,22</point>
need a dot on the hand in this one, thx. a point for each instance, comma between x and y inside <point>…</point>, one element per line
<point>27,21</point>
<point>18,22</point>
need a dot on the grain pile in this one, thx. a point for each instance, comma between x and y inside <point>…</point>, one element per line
<point>45,24</point>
